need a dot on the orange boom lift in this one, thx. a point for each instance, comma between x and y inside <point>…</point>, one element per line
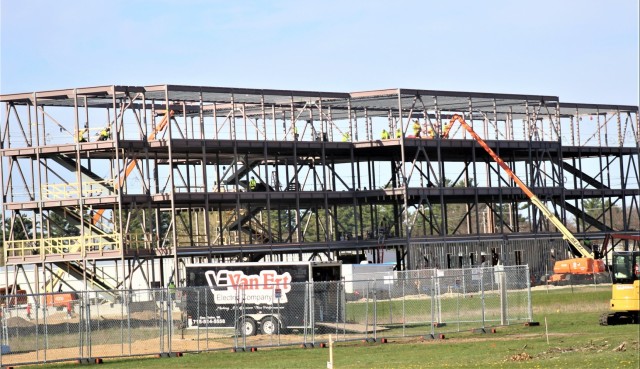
<point>625,294</point>
<point>132,164</point>
<point>586,264</point>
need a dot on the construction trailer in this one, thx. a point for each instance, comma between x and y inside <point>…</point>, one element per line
<point>360,278</point>
<point>263,297</point>
<point>171,179</point>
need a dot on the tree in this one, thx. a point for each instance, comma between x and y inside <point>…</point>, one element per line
<point>58,226</point>
<point>17,228</point>
<point>22,228</point>
<point>609,214</point>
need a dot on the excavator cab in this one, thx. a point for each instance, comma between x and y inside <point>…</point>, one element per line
<point>624,305</point>
<point>625,267</point>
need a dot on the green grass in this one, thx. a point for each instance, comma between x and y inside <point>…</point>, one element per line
<point>417,310</point>
<point>576,340</point>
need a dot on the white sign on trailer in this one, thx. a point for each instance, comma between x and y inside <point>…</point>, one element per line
<point>232,286</point>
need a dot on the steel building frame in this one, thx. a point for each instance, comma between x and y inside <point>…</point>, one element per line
<point>172,177</point>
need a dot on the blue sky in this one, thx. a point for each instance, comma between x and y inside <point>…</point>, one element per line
<point>580,50</point>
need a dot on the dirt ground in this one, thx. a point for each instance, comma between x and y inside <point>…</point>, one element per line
<point>153,346</point>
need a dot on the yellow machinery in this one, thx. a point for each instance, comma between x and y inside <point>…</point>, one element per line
<point>625,297</point>
<point>624,306</point>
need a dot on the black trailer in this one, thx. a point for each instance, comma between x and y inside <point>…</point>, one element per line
<point>267,296</point>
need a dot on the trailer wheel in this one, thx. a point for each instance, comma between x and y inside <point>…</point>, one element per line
<point>270,325</point>
<point>247,327</point>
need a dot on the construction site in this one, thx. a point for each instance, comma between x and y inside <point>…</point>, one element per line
<point>101,183</point>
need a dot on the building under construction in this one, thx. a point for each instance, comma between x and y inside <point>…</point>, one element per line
<point>133,175</point>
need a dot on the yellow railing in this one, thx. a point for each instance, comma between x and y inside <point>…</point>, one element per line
<point>63,245</point>
<point>57,191</point>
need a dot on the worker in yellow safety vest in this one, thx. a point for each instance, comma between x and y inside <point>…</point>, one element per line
<point>172,289</point>
<point>81,136</point>
<point>416,129</point>
<point>398,133</point>
<point>445,130</point>
<point>345,137</point>
<point>252,184</point>
<point>430,132</point>
<point>104,134</point>
<point>385,134</point>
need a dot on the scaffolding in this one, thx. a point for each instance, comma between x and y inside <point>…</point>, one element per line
<point>133,174</point>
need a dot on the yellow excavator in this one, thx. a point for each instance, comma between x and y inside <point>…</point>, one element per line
<point>624,305</point>
<point>625,296</point>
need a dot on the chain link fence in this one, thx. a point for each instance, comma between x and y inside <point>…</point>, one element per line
<point>86,325</point>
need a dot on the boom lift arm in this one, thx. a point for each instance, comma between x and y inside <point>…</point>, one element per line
<point>566,234</point>
<point>132,164</point>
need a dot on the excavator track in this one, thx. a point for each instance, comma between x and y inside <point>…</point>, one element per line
<point>619,318</point>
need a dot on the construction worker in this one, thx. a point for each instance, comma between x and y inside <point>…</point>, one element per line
<point>252,184</point>
<point>345,137</point>
<point>483,260</point>
<point>104,134</point>
<point>295,133</point>
<point>81,137</point>
<point>385,134</point>
<point>416,129</point>
<point>430,132</point>
<point>172,290</point>
<point>445,131</point>
<point>398,133</point>
<point>384,226</point>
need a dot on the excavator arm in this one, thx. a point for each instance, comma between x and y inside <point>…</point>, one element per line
<point>566,234</point>
<point>133,162</point>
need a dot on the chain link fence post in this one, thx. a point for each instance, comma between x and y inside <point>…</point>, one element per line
<point>341,297</point>
<point>433,298</point>
<point>529,304</point>
<point>460,285</point>
<point>202,292</point>
<point>312,312</point>
<point>170,298</point>
<point>503,296</point>
<point>197,317</point>
<point>404,308</point>
<point>306,313</point>
<point>375,310</point>
<point>340,316</point>
<point>482,302</point>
